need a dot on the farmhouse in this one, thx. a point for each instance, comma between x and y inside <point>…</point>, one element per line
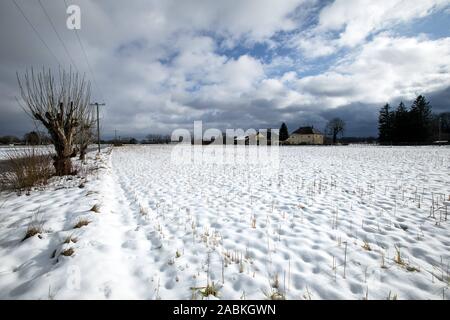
<point>306,135</point>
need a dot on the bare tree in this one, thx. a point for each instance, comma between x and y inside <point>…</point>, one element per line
<point>32,138</point>
<point>335,127</point>
<point>85,134</point>
<point>60,106</point>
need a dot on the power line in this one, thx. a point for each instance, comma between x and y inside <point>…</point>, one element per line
<point>88,64</point>
<point>87,59</point>
<point>57,34</point>
<point>36,31</point>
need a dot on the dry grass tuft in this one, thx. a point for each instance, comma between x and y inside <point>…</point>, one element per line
<point>211,289</point>
<point>143,211</point>
<point>81,223</point>
<point>95,208</point>
<point>32,231</point>
<point>401,262</point>
<point>68,252</point>
<point>70,239</point>
<point>36,227</point>
<point>274,294</point>
<point>366,246</point>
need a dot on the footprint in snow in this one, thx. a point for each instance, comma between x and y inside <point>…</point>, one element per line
<point>129,244</point>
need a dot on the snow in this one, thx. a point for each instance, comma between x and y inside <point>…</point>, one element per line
<point>12,151</point>
<point>322,223</point>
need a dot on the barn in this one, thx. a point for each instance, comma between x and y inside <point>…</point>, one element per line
<point>306,135</point>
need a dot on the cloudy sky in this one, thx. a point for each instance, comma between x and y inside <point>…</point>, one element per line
<point>160,65</point>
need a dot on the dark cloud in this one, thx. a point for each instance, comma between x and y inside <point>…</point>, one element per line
<point>161,65</point>
<point>440,100</point>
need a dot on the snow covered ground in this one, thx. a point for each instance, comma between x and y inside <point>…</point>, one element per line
<point>8,151</point>
<point>326,223</point>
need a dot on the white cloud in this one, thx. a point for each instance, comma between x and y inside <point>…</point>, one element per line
<point>161,63</point>
<point>384,69</point>
<point>255,19</point>
<point>348,23</point>
<point>315,46</point>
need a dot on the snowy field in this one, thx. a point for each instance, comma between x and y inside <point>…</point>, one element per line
<point>8,151</point>
<point>326,223</point>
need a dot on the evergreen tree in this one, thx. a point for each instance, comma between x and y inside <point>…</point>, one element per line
<point>420,120</point>
<point>284,133</point>
<point>440,130</point>
<point>444,122</point>
<point>385,125</point>
<point>401,127</point>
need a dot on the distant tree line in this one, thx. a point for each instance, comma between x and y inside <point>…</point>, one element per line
<point>361,140</point>
<point>32,138</point>
<point>414,125</point>
<point>9,140</point>
<point>156,139</point>
<point>149,139</point>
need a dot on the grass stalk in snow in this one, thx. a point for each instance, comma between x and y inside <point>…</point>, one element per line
<point>334,268</point>
<point>307,295</point>
<point>392,296</point>
<point>383,265</point>
<point>398,257</point>
<point>345,259</point>
<point>366,297</point>
<point>223,272</point>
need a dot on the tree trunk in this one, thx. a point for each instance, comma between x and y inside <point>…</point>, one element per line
<point>63,166</point>
<point>83,153</point>
<point>64,152</point>
<point>334,138</point>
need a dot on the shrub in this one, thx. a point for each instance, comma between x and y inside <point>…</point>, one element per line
<point>27,168</point>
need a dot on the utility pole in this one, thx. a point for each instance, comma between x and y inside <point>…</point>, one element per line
<point>98,122</point>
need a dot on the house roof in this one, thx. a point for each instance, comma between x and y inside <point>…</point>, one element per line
<point>306,130</point>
